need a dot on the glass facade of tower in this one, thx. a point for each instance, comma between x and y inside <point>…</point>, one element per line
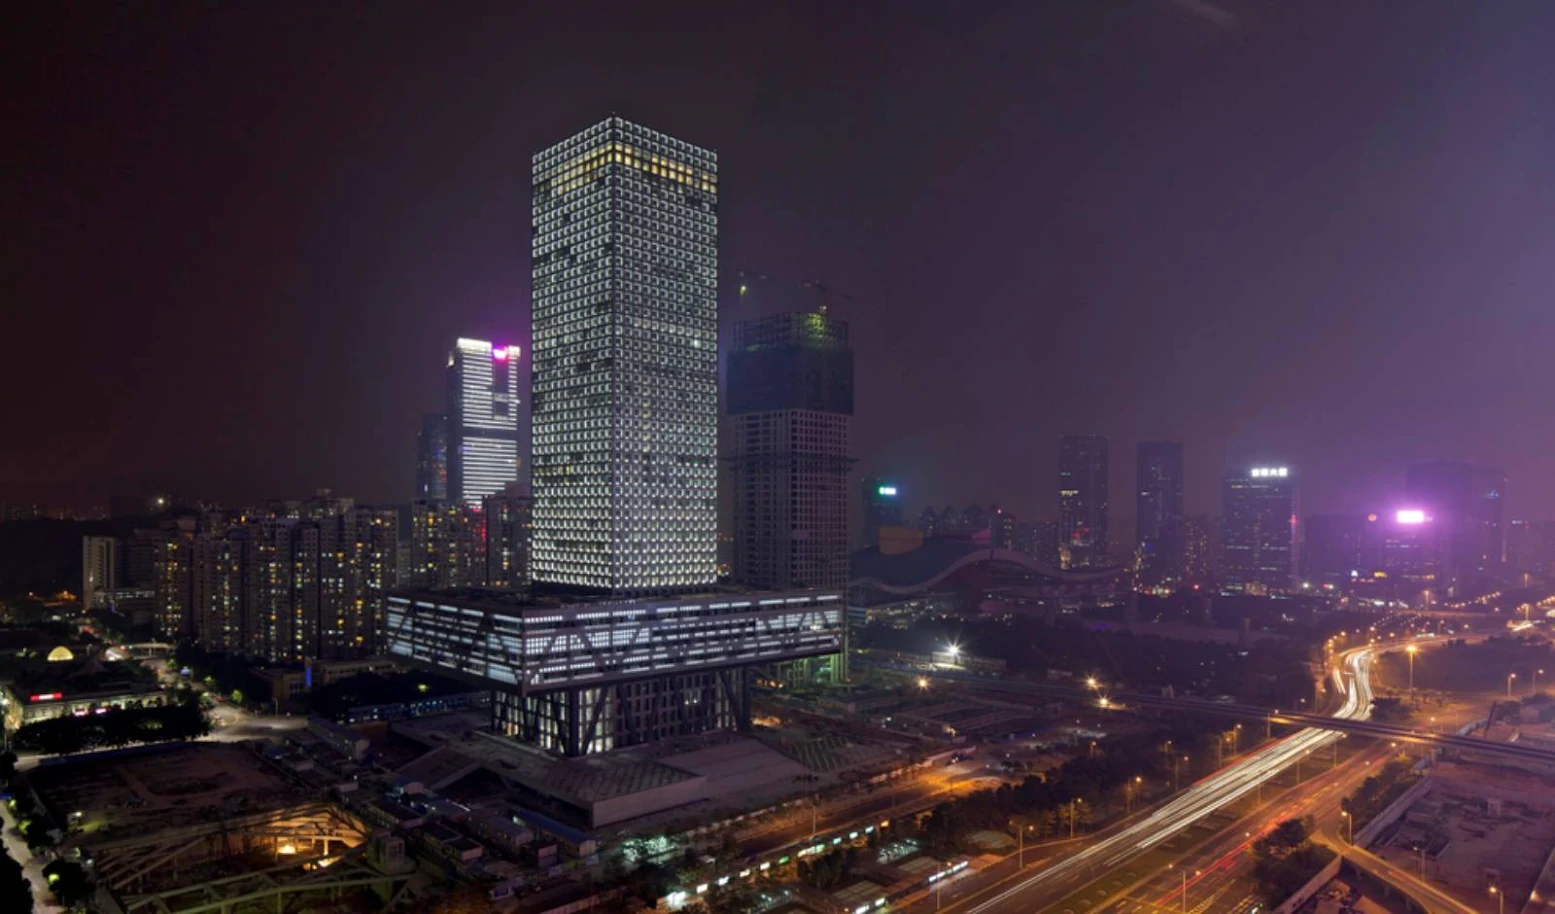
<point>482,419</point>
<point>1158,509</point>
<point>1258,545</point>
<point>1083,503</point>
<point>625,411</point>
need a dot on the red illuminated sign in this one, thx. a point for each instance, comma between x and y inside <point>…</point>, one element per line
<point>49,696</point>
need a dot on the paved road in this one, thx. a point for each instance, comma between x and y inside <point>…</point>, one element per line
<point>32,868</point>
<point>1213,793</point>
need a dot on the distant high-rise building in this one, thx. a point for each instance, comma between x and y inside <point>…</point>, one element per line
<point>1158,509</point>
<point>100,570</point>
<point>1038,541</point>
<point>1258,545</point>
<point>791,409</point>
<point>445,548</point>
<point>173,577</point>
<point>1001,529</point>
<point>1333,552</point>
<point>509,519</point>
<point>929,522</point>
<point>482,423</point>
<point>974,519</point>
<point>882,507</point>
<point>1198,548</point>
<point>432,457</point>
<point>624,260</point>
<point>306,581</point>
<point>1083,504</point>
<point>1467,505</point>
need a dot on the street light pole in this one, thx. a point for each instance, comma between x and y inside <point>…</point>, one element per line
<point>1535,689</point>
<point>1509,678</point>
<point>1349,824</point>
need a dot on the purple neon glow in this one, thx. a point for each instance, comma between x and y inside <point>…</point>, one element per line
<point>1410,516</point>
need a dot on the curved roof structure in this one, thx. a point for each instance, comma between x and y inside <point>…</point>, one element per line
<point>937,559</point>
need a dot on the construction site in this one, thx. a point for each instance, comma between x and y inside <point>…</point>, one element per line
<point>199,827</point>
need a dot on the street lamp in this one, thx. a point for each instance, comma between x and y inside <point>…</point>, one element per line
<point>1128,791</point>
<point>1535,689</point>
<point>1349,824</point>
<point>1175,760</point>
<point>1412,650</point>
<point>1509,678</point>
<point>1184,873</point>
<point>923,682</point>
<point>1500,899</point>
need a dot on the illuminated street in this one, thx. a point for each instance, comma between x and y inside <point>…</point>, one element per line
<point>1197,802</point>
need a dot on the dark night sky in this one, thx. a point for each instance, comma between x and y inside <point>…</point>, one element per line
<point>240,237</point>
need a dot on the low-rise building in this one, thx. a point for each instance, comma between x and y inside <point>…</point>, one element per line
<point>60,687</point>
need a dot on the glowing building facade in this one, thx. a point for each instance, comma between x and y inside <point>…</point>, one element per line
<point>625,319</point>
<point>482,421</point>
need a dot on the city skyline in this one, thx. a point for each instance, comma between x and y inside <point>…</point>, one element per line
<point>1182,330</point>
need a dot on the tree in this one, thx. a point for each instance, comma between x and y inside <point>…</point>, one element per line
<point>68,881</point>
<point>15,891</point>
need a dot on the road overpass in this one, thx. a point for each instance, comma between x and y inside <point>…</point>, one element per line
<point>1360,725</point>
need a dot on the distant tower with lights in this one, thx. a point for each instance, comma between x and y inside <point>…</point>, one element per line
<point>624,262</point>
<point>1258,545</point>
<point>1083,502</point>
<point>1158,509</point>
<point>482,421</point>
<point>790,410</point>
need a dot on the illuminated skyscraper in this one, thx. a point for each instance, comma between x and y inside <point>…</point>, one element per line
<point>625,411</point>
<point>1083,502</point>
<point>790,409</point>
<point>1158,509</point>
<point>1258,547</point>
<point>482,419</point>
<point>432,457</point>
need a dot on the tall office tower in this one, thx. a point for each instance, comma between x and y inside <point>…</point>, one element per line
<point>1082,501</point>
<point>882,508</point>
<point>509,518</point>
<point>1198,547</point>
<point>1466,504</point>
<point>1158,509</point>
<point>432,457</point>
<point>1001,529</point>
<point>1258,546</point>
<point>625,412</point>
<point>100,570</point>
<point>790,407</point>
<point>482,419</point>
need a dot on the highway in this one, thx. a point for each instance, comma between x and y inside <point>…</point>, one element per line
<point>1213,793</point>
<point>1349,724</point>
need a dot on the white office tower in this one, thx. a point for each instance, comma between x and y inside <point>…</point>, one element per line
<point>625,411</point>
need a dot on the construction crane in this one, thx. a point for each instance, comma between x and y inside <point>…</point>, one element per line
<point>823,292</point>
